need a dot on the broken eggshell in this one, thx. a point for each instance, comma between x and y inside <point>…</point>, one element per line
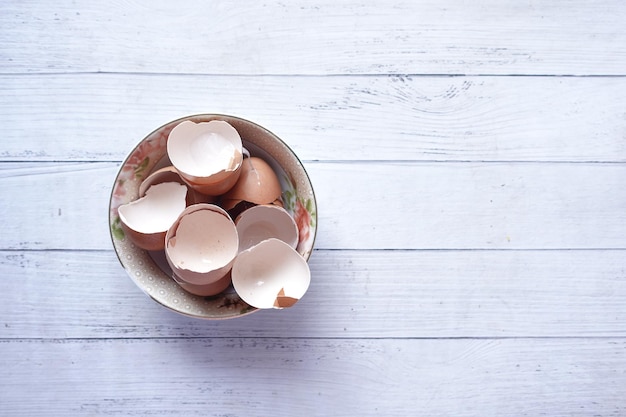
<point>205,290</point>
<point>262,222</point>
<point>170,174</point>
<point>146,220</point>
<point>270,274</point>
<point>207,155</point>
<point>257,184</point>
<point>202,244</point>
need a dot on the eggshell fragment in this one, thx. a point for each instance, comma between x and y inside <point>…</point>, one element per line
<point>262,222</point>
<point>167,174</point>
<point>206,289</point>
<point>283,301</point>
<point>202,244</point>
<point>207,155</point>
<point>146,220</point>
<point>170,174</point>
<point>257,184</point>
<point>271,274</point>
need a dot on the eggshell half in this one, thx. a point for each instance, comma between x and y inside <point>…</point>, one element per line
<point>257,184</point>
<point>146,220</point>
<point>205,290</point>
<point>202,244</point>
<point>271,274</point>
<point>262,222</point>
<point>170,174</point>
<point>207,155</point>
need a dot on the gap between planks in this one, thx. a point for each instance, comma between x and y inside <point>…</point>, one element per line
<point>331,338</point>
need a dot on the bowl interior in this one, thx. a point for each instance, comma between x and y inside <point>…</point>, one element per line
<point>149,270</point>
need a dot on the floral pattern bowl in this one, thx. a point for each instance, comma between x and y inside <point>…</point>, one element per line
<point>149,270</point>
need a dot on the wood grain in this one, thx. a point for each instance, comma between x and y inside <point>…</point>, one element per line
<point>95,117</point>
<point>469,162</point>
<point>362,205</point>
<point>350,37</point>
<point>355,294</point>
<point>312,376</point>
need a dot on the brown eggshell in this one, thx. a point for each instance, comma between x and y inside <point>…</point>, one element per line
<point>216,185</point>
<point>145,221</point>
<point>166,174</point>
<point>282,301</point>
<point>236,207</point>
<point>170,174</point>
<point>202,244</point>
<point>152,242</point>
<point>257,184</point>
<point>205,290</point>
<point>270,274</point>
<point>207,155</point>
<point>265,221</point>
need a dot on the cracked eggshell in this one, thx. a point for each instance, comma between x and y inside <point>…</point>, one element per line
<point>271,274</point>
<point>146,220</point>
<point>257,184</point>
<point>262,222</point>
<point>205,290</point>
<point>207,155</point>
<point>170,174</point>
<point>202,244</point>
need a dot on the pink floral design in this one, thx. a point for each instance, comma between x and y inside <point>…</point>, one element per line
<point>119,192</point>
<point>139,160</point>
<point>303,212</point>
<point>303,220</point>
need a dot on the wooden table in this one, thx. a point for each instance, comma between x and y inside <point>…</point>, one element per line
<point>469,162</point>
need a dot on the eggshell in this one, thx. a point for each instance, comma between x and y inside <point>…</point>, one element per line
<point>262,222</point>
<point>283,301</point>
<point>257,184</point>
<point>145,221</point>
<point>207,155</point>
<point>170,174</point>
<point>271,274</point>
<point>202,244</point>
<point>205,290</point>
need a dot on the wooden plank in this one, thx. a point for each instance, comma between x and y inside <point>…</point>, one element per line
<point>354,294</point>
<point>313,377</point>
<point>322,118</point>
<point>349,37</point>
<point>362,205</point>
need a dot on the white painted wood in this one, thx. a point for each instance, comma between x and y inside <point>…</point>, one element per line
<point>313,377</point>
<point>347,37</point>
<point>471,252</point>
<point>102,116</point>
<point>362,205</point>
<point>354,294</point>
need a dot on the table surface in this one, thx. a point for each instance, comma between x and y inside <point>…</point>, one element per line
<point>469,163</point>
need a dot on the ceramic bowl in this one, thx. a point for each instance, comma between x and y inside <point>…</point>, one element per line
<point>149,269</point>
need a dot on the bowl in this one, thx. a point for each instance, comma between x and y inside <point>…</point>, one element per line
<point>149,270</point>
